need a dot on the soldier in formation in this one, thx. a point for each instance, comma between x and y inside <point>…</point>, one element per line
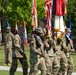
<point>54,51</point>
<point>8,38</point>
<point>18,53</point>
<point>49,54</point>
<point>37,61</point>
<point>68,48</point>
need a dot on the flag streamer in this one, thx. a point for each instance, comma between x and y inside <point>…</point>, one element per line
<point>0,33</point>
<point>34,15</point>
<point>16,28</point>
<point>48,9</point>
<point>7,23</point>
<point>70,26</point>
<point>25,32</point>
<point>60,11</point>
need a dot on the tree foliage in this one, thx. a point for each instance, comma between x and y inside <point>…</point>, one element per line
<point>18,9</point>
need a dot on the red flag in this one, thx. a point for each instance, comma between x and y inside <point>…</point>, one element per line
<point>60,7</point>
<point>60,12</point>
<point>48,9</point>
<point>34,15</point>
<point>25,32</point>
<point>0,33</point>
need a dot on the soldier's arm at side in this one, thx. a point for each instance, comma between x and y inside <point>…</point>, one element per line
<point>17,46</point>
<point>12,36</point>
<point>33,47</point>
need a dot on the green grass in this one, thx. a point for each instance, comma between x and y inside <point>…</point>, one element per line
<point>74,59</point>
<point>7,73</point>
<point>2,56</point>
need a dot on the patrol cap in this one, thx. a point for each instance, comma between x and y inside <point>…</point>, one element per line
<point>67,30</point>
<point>21,28</point>
<point>8,27</point>
<point>38,30</point>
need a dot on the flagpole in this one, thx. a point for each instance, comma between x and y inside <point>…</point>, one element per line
<point>34,15</point>
<point>0,33</point>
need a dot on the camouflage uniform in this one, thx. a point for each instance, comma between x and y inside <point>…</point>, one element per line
<point>59,54</point>
<point>8,37</point>
<point>43,38</point>
<point>63,58</point>
<point>67,49</point>
<point>54,64</point>
<point>18,54</point>
<point>37,62</point>
<point>47,60</point>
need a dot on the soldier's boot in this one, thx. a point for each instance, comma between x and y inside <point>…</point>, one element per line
<point>25,70</point>
<point>12,71</point>
<point>48,71</point>
<point>64,73</point>
<point>43,72</point>
<point>69,73</point>
<point>55,71</point>
<point>33,73</point>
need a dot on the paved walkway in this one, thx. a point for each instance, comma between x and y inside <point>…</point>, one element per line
<point>18,69</point>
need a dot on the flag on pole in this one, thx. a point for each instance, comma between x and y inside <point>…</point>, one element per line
<point>34,15</point>
<point>59,26</point>
<point>60,11</point>
<point>48,9</point>
<point>7,23</point>
<point>60,7</point>
<point>56,23</point>
<point>25,32</point>
<point>70,26</point>
<point>0,33</point>
<point>16,28</point>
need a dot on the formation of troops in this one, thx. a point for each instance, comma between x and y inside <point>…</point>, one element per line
<point>49,54</point>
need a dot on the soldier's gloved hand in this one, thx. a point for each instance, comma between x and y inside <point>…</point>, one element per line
<point>46,44</point>
<point>72,50</point>
<point>42,55</point>
<point>64,45</point>
<point>55,48</point>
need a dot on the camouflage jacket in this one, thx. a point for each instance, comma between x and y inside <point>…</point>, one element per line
<point>8,38</point>
<point>48,46</point>
<point>18,46</point>
<point>35,51</point>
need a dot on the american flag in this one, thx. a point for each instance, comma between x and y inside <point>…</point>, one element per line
<point>25,32</point>
<point>48,9</point>
<point>34,15</point>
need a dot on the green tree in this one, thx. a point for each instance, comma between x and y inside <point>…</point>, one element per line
<point>71,7</point>
<point>18,9</point>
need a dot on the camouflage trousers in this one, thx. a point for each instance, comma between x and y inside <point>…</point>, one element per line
<point>48,63</point>
<point>54,65</point>
<point>35,67</point>
<point>8,55</point>
<point>70,66</point>
<point>63,62</point>
<point>14,65</point>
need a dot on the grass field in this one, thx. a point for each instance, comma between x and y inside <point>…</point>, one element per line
<point>7,73</point>
<point>27,54</point>
<point>2,56</point>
